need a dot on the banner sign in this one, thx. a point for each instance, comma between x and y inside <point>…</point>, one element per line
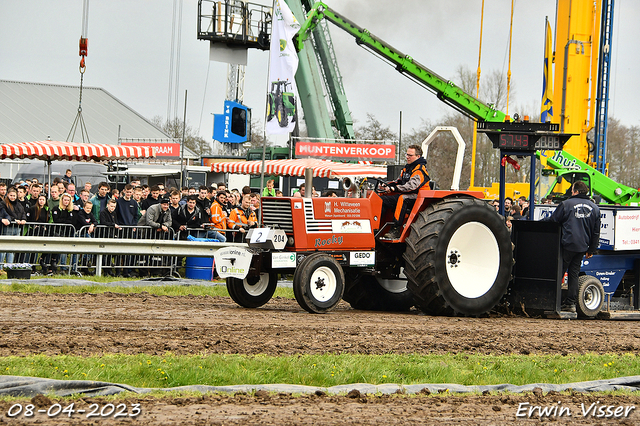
<point>163,150</point>
<point>346,151</point>
<point>282,96</point>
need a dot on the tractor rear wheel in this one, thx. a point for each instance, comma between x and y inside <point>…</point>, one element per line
<point>590,296</point>
<point>318,283</point>
<point>270,111</point>
<point>458,258</point>
<point>370,293</point>
<point>281,115</point>
<point>253,291</point>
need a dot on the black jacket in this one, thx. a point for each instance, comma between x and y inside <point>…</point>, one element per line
<point>82,218</point>
<point>191,220</point>
<point>42,218</point>
<point>15,210</point>
<point>108,218</point>
<point>580,221</point>
<point>126,212</point>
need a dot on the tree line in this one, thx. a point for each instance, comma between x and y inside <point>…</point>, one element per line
<point>623,142</point>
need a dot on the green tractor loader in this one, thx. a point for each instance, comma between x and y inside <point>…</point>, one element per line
<point>281,104</point>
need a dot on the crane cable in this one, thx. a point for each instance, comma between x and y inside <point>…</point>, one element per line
<point>84,41</point>
<point>475,128</point>
<point>509,67</point>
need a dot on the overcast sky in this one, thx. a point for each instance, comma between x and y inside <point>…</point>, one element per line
<point>130,46</point>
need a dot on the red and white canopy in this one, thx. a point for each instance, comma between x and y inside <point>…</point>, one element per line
<point>296,167</point>
<point>71,151</point>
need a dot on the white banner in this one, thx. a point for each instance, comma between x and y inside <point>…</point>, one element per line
<point>282,96</point>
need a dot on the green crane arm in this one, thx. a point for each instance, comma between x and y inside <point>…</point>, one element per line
<point>444,89</point>
<point>611,191</point>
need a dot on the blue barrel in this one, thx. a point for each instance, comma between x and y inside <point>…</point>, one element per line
<point>199,268</point>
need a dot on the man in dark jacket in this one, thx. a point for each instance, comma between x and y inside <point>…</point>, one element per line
<point>579,218</point>
<point>127,208</point>
<point>189,216</point>
<point>413,177</point>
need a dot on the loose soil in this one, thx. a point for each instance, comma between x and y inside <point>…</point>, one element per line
<point>95,324</point>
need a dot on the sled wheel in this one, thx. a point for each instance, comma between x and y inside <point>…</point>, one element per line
<point>318,283</point>
<point>370,293</point>
<point>253,291</point>
<point>458,258</point>
<point>590,296</point>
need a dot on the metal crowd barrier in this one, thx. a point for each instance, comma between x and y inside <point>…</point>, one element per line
<point>36,229</point>
<point>126,265</point>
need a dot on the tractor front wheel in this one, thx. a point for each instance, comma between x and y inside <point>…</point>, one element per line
<point>318,283</point>
<point>253,291</point>
<point>458,258</point>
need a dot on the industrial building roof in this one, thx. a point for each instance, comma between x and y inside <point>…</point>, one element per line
<point>35,112</point>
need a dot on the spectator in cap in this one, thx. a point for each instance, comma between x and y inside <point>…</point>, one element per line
<point>158,216</point>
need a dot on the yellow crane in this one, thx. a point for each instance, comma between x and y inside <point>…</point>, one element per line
<point>575,78</point>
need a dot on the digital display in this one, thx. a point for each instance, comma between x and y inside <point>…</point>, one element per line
<point>514,141</point>
<point>549,142</point>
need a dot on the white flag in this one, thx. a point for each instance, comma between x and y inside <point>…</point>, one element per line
<point>282,94</point>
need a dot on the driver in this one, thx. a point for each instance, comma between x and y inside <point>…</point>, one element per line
<point>414,176</point>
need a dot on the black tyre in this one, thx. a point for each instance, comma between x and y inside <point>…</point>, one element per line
<point>590,296</point>
<point>270,111</point>
<point>458,258</point>
<point>253,291</point>
<point>281,115</point>
<point>318,283</point>
<point>370,293</point>
<point>294,117</point>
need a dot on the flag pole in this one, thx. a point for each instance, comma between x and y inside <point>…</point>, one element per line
<point>184,126</point>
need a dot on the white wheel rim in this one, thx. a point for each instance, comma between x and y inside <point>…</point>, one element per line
<point>592,297</point>
<point>258,288</point>
<point>323,284</point>
<point>395,286</point>
<point>472,260</point>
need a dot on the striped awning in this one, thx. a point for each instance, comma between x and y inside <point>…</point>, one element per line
<point>296,167</point>
<point>71,151</point>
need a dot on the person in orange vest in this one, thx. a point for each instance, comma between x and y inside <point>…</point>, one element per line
<point>414,176</point>
<point>218,216</point>
<point>242,218</point>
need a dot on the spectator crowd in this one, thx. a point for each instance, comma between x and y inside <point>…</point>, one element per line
<point>212,212</point>
<point>206,212</point>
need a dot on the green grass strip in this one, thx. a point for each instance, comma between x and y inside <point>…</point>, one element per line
<point>163,290</point>
<point>323,370</point>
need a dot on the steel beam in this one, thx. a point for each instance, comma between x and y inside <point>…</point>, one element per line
<point>23,244</point>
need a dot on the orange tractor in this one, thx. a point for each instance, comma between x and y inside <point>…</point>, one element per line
<point>453,257</point>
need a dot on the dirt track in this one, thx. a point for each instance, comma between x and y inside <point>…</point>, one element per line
<point>87,324</point>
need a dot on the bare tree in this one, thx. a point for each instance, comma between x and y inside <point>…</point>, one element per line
<point>487,171</point>
<point>374,130</point>
<point>174,128</point>
<point>623,153</point>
